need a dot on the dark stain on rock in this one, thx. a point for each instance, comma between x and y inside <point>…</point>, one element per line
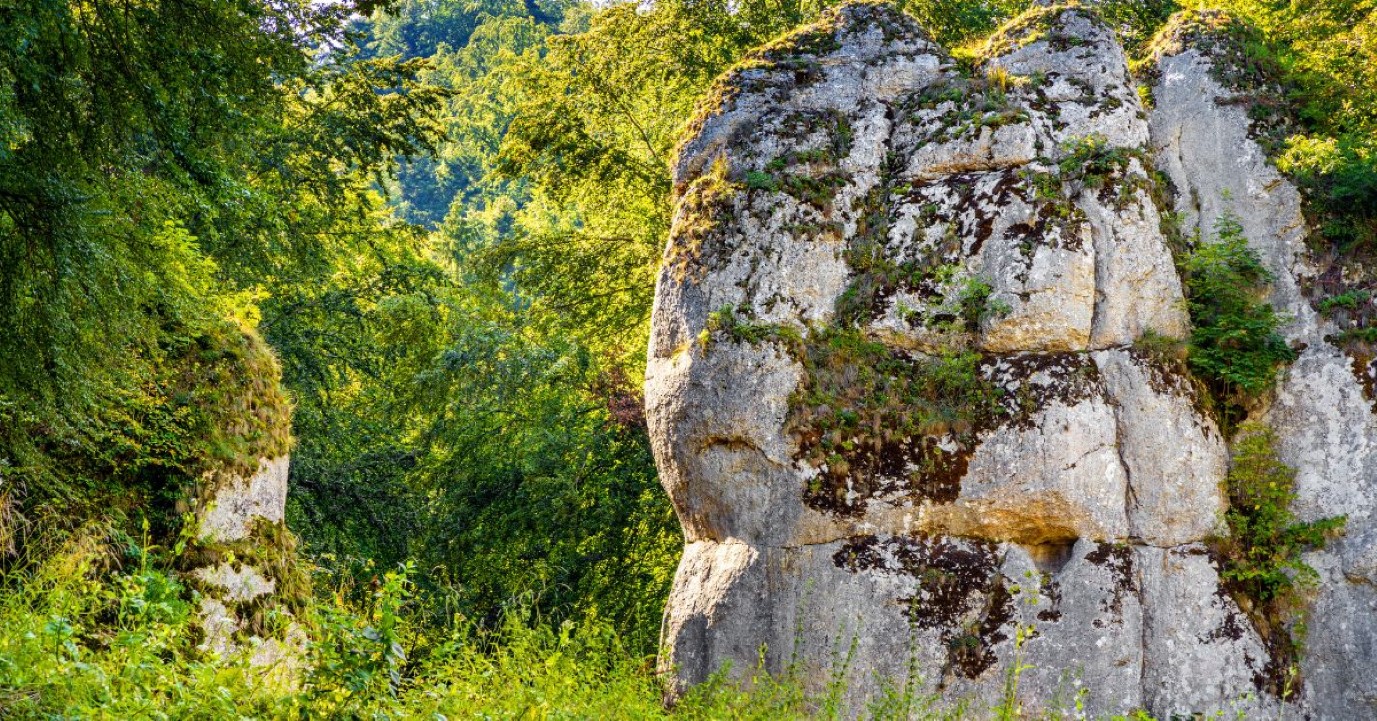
<point>1279,675</point>
<point>1364,366</point>
<point>917,467</point>
<point>1168,375</point>
<point>1116,558</point>
<point>972,653</point>
<point>1232,627</point>
<point>1050,590</point>
<point>961,593</point>
<point>1040,380</point>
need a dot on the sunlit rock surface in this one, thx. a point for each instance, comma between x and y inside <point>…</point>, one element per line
<point>851,175</point>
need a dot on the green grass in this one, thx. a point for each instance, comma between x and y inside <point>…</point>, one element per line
<point>96,632</point>
<point>101,629</point>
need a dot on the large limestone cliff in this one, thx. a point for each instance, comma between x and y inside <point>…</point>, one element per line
<point>862,228</point>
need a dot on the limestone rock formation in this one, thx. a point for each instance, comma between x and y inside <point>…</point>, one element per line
<point>242,561</point>
<point>238,501</point>
<point>1323,411</point>
<point>896,392</point>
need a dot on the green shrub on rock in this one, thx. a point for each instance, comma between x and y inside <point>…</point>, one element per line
<point>1234,346</point>
<point>1261,560</point>
<point>1262,555</point>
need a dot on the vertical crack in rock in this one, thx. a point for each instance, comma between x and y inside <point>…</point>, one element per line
<point>1130,495</point>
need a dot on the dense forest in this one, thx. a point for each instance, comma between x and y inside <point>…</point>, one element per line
<point>444,218</point>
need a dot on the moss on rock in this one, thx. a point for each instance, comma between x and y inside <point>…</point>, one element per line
<point>707,204</point>
<point>1038,23</point>
<point>869,416</point>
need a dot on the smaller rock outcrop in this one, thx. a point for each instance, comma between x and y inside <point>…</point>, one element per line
<point>1208,145</point>
<point>242,559</point>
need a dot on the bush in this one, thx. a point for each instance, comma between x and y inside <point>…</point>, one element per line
<point>1234,346</point>
<point>1262,555</point>
<point>1261,560</point>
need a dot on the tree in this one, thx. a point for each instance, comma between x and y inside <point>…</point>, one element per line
<point>164,166</point>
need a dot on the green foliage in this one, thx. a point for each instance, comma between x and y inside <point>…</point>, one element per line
<point>442,425</point>
<point>1234,344</point>
<point>165,167</point>
<point>1262,563</point>
<point>1092,161</point>
<point>210,408</point>
<point>1262,555</point>
<point>141,173</point>
<point>1135,21</point>
<point>1348,300</point>
<point>1316,63</point>
<point>1340,174</point>
<point>1162,348</point>
<point>80,641</point>
<point>974,305</point>
<point>724,321</point>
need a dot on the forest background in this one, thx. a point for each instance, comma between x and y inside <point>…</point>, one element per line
<point>445,217</point>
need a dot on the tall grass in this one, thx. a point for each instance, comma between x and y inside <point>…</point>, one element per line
<point>89,633</point>
<point>102,630</point>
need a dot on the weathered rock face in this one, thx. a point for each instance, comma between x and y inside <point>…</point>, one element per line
<point>238,501</point>
<point>861,229</point>
<point>1206,144</point>
<point>232,520</point>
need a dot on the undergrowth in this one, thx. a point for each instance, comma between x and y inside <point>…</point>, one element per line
<point>99,630</point>
<point>101,627</point>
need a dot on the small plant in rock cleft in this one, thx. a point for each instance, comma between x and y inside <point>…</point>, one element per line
<point>725,322</point>
<point>698,236</point>
<point>1261,559</point>
<point>1234,345</point>
<point>811,176</point>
